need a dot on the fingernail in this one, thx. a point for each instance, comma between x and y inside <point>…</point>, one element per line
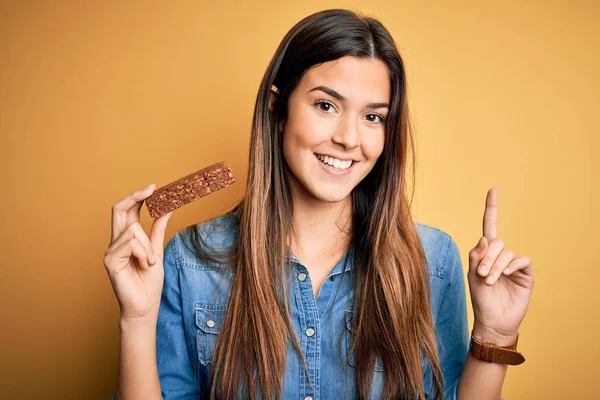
<point>483,269</point>
<point>490,279</point>
<point>153,259</point>
<point>507,271</point>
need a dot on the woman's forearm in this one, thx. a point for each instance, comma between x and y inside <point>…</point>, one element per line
<point>482,380</point>
<point>138,375</point>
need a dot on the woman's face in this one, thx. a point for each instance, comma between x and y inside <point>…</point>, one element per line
<point>335,129</point>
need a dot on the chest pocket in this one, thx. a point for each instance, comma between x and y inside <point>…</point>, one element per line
<point>349,336</point>
<point>209,319</point>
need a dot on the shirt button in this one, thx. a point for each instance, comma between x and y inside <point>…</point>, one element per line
<point>308,398</point>
<point>302,276</point>
<point>310,332</point>
<point>210,323</point>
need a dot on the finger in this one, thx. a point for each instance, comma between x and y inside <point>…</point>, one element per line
<point>133,214</point>
<point>157,233</point>
<point>490,215</point>
<point>124,252</point>
<point>476,254</point>
<point>519,264</point>
<point>138,252</point>
<point>520,271</point>
<point>135,230</point>
<point>122,207</point>
<point>494,249</point>
<point>505,257</point>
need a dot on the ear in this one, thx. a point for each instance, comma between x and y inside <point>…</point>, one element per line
<point>273,96</point>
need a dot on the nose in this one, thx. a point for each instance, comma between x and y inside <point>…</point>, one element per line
<point>347,134</point>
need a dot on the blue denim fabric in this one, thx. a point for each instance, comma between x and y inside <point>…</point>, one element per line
<point>193,307</point>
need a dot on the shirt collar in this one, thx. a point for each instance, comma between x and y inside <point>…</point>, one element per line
<point>341,266</point>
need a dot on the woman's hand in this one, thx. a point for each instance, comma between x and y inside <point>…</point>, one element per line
<point>133,260</point>
<point>500,283</point>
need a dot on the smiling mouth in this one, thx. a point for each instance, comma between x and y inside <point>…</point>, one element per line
<point>334,163</point>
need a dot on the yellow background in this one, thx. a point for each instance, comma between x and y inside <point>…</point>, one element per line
<point>98,99</point>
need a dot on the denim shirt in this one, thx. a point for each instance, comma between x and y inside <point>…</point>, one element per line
<point>194,301</point>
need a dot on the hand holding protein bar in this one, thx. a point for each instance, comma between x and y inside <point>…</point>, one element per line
<point>134,260</point>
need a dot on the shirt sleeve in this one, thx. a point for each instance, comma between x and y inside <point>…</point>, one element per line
<point>452,325</point>
<point>173,354</point>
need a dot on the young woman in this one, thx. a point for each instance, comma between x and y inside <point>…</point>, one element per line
<point>318,284</point>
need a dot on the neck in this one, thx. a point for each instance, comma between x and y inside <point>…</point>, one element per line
<point>320,228</point>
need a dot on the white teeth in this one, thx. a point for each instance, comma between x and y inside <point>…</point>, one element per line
<point>334,162</point>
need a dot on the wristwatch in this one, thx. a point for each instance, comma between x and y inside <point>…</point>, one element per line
<point>496,354</point>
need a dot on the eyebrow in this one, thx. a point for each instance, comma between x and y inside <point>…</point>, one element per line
<point>341,98</point>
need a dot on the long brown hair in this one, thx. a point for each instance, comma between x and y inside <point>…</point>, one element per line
<point>392,294</point>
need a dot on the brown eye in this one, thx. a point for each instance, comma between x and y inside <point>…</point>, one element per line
<point>324,106</point>
<point>374,118</point>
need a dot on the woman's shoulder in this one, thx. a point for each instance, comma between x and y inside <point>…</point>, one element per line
<point>192,244</point>
<point>220,231</point>
<point>197,266</point>
<point>440,249</point>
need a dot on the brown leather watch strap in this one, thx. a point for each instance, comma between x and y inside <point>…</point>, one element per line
<point>496,354</point>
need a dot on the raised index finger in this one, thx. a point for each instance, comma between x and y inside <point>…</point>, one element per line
<point>121,208</point>
<point>490,215</point>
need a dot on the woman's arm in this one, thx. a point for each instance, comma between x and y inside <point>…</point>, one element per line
<point>500,285</point>
<point>482,380</point>
<point>465,377</point>
<point>138,375</point>
<point>134,263</point>
<point>155,361</point>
